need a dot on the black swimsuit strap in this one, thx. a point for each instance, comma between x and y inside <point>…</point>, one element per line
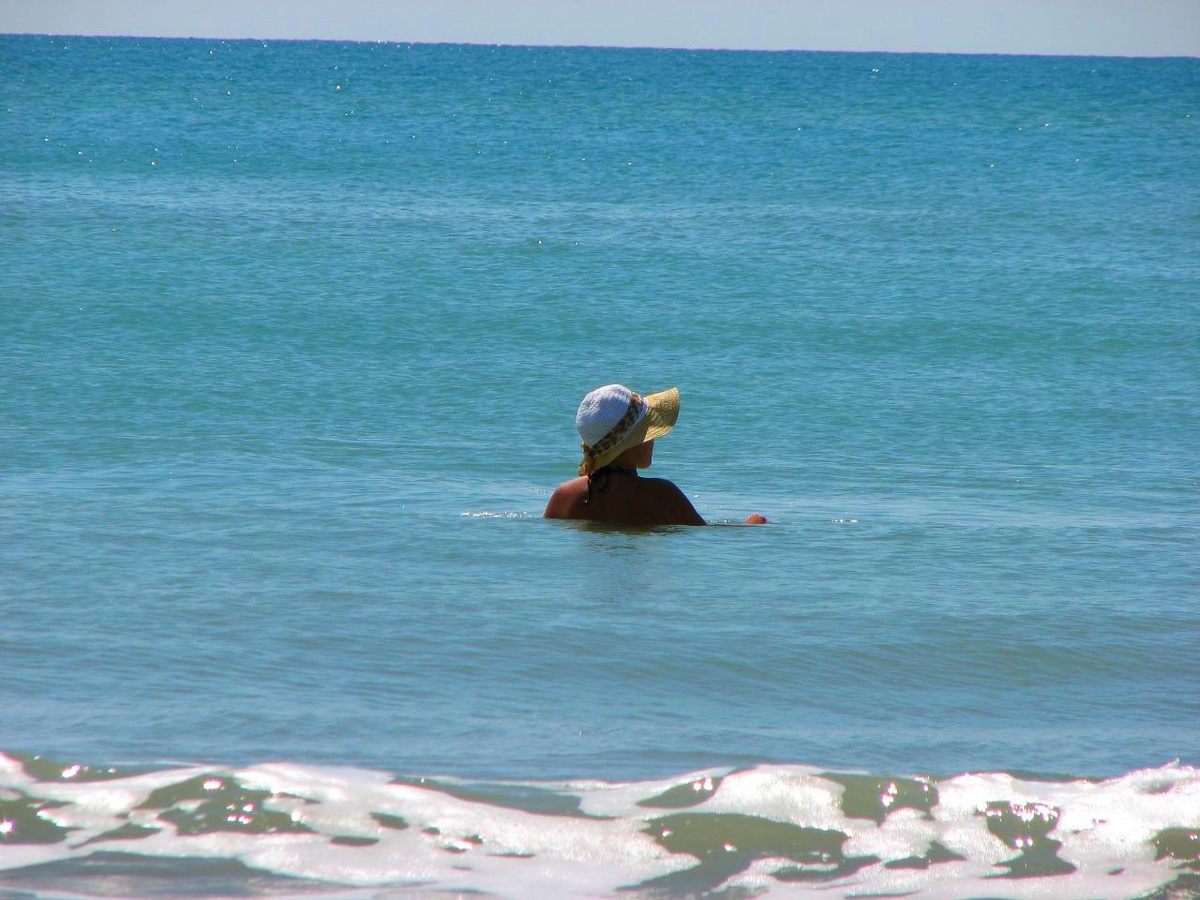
<point>598,480</point>
<point>610,469</point>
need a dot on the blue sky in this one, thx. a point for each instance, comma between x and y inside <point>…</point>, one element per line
<point>1072,27</point>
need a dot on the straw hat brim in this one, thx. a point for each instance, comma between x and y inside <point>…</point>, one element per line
<point>660,418</point>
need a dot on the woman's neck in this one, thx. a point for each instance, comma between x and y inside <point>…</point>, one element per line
<point>614,469</point>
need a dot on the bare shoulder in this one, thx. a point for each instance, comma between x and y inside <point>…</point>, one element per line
<point>672,505</point>
<point>567,500</point>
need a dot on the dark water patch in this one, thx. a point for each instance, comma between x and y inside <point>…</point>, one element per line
<point>130,831</point>
<point>209,803</point>
<point>869,797</point>
<point>1165,786</point>
<point>387,820</point>
<point>937,853</point>
<point>843,867</point>
<point>523,797</point>
<point>682,796</point>
<point>43,769</point>
<point>22,821</point>
<point>350,840</point>
<point>119,875</point>
<point>726,844</point>
<point>1182,844</point>
<point>1026,827</point>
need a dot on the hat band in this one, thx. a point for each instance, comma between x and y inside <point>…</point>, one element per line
<point>615,435</point>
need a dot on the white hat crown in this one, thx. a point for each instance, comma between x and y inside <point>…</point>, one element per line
<point>603,409</point>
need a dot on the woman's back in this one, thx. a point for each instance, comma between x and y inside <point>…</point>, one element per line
<point>623,498</point>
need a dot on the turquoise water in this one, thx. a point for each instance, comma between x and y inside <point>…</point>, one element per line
<point>291,341</point>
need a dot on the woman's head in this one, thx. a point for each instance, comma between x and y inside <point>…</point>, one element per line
<point>612,419</point>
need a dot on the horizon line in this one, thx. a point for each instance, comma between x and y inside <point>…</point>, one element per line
<point>597,46</point>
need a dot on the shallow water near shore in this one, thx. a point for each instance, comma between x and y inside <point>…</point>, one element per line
<point>291,341</point>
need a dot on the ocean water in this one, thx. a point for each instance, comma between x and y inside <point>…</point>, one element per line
<point>291,341</point>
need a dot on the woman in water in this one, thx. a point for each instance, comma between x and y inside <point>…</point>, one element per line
<point>619,428</point>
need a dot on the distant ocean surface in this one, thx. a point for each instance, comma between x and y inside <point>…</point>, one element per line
<point>291,341</point>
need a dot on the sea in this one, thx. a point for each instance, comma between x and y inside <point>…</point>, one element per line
<point>292,336</point>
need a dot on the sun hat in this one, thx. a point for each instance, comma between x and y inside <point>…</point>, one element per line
<point>611,419</point>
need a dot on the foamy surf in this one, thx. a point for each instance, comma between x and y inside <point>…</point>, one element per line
<point>771,831</point>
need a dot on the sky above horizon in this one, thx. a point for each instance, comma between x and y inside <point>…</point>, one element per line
<point>1054,27</point>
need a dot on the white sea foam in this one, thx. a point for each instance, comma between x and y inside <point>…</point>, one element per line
<point>788,831</point>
